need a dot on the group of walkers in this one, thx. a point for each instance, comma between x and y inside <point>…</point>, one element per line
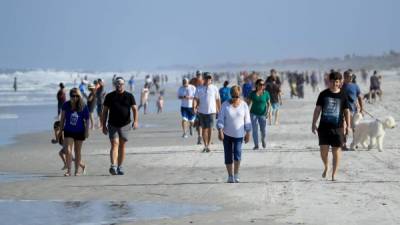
<point>202,103</point>
<point>76,120</point>
<point>236,112</point>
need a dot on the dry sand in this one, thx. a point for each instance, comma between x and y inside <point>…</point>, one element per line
<point>280,185</point>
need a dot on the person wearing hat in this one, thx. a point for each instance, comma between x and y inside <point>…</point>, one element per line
<point>117,109</point>
<point>186,95</point>
<point>207,103</point>
<point>91,102</point>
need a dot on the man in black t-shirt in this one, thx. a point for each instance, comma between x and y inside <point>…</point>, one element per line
<point>117,107</point>
<point>333,106</point>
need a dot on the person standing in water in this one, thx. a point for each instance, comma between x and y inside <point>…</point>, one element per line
<point>15,85</point>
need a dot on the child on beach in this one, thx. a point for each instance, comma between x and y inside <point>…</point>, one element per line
<point>333,106</point>
<point>144,98</point>
<point>59,138</point>
<point>160,103</point>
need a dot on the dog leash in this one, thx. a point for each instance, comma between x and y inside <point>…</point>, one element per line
<point>372,116</point>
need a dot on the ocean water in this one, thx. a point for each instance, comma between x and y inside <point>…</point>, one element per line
<point>27,212</point>
<point>33,107</point>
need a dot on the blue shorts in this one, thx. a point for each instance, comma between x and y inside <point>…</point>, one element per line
<point>275,106</point>
<point>232,149</point>
<point>187,114</point>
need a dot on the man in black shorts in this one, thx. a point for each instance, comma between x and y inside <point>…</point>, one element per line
<point>117,107</point>
<point>333,106</point>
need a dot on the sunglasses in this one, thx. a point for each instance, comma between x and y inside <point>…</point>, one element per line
<point>74,96</point>
<point>261,84</point>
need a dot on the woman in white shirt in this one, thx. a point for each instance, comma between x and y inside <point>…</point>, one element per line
<point>234,125</point>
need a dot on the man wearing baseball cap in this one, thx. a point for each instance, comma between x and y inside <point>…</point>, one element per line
<point>117,107</point>
<point>207,103</point>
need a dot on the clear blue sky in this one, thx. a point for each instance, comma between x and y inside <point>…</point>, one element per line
<point>123,35</point>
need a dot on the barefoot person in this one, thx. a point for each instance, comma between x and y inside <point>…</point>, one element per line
<point>233,125</point>
<point>207,103</point>
<point>117,109</point>
<point>75,124</point>
<point>144,98</point>
<point>333,106</point>
<point>58,138</point>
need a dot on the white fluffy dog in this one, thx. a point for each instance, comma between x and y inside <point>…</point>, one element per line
<point>369,134</point>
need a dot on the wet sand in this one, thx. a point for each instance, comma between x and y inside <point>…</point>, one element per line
<point>279,185</point>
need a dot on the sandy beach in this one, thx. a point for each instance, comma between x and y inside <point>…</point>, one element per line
<point>279,185</point>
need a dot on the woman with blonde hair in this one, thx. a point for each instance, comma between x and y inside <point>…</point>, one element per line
<point>234,125</point>
<point>74,123</point>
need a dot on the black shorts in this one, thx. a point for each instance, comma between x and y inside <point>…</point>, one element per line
<point>80,136</point>
<point>332,137</point>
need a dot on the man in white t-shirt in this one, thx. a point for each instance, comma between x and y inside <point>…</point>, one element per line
<point>207,103</point>
<point>186,95</point>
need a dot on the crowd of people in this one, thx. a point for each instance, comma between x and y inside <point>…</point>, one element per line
<point>236,112</point>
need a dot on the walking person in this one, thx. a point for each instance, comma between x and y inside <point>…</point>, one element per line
<point>207,103</point>
<point>375,88</point>
<point>61,98</point>
<point>259,100</point>
<point>144,98</point>
<point>59,138</point>
<point>333,106</point>
<point>234,125</point>
<point>225,92</point>
<point>91,102</point>
<point>275,93</point>
<point>117,107</point>
<point>274,76</point>
<point>75,124</point>
<point>100,94</point>
<point>186,94</point>
<point>197,81</point>
<point>356,103</point>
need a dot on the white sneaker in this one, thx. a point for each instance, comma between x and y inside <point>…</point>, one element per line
<point>230,179</point>
<point>184,135</point>
<point>236,178</point>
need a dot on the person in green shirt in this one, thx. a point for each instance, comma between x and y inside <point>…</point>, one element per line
<point>259,100</point>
